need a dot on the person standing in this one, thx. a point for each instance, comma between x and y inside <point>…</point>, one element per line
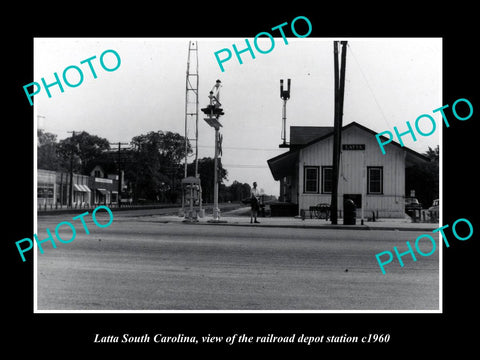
<point>254,203</point>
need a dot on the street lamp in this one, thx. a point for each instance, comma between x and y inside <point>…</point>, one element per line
<point>214,111</point>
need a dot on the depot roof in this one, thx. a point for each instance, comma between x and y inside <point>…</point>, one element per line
<point>304,136</point>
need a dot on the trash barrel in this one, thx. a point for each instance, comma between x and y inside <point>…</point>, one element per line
<point>349,212</point>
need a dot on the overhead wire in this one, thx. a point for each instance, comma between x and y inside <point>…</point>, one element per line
<point>369,87</point>
<point>243,166</point>
<point>243,148</point>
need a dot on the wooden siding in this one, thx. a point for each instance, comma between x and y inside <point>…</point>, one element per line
<point>353,173</point>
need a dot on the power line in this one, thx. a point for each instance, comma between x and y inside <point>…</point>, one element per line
<point>245,166</point>
<point>369,87</point>
<point>243,148</point>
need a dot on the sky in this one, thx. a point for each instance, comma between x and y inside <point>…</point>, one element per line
<point>388,82</point>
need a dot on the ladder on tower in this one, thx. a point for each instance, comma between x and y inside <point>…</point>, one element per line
<point>191,114</point>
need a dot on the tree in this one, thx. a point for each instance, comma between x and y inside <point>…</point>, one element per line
<point>236,192</point>
<point>83,150</point>
<point>206,172</point>
<point>424,178</point>
<point>239,191</point>
<point>433,154</point>
<point>47,157</point>
<point>156,171</point>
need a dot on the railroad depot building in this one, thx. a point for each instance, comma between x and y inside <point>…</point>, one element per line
<point>375,182</point>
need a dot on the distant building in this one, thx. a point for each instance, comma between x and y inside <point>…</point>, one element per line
<point>81,192</point>
<point>46,189</point>
<point>104,187</point>
<point>375,182</point>
<point>98,172</point>
<point>53,189</point>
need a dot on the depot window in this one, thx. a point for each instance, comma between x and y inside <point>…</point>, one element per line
<point>310,185</point>
<point>327,177</point>
<point>375,179</point>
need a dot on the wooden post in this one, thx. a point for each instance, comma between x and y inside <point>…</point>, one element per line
<point>337,127</point>
<point>119,182</point>
<point>70,190</point>
<point>333,203</point>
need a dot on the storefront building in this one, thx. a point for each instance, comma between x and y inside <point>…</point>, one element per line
<point>54,189</point>
<point>81,192</point>
<point>104,187</point>
<point>46,192</point>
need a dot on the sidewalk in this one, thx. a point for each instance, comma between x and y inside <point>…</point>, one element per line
<point>240,217</point>
<point>296,222</point>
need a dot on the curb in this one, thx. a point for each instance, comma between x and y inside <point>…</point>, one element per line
<point>309,226</point>
<point>89,209</point>
<point>347,227</point>
<point>168,219</point>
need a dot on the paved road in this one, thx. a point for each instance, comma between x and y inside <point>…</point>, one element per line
<point>144,263</point>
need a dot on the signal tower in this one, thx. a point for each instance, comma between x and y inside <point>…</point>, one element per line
<point>284,95</point>
<point>191,114</point>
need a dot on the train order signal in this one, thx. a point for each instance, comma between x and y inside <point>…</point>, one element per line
<point>213,110</point>
<point>285,94</point>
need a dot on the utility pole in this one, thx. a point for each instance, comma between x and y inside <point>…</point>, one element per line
<point>70,187</point>
<point>119,169</point>
<point>38,121</point>
<point>339,83</point>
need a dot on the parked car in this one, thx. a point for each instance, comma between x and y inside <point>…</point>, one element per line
<point>412,203</point>
<point>433,210</point>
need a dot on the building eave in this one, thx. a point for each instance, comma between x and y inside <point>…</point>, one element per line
<point>284,164</point>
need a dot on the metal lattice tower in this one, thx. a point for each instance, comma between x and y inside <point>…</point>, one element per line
<point>191,118</point>
<point>191,101</point>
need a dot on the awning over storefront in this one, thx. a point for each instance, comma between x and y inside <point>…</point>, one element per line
<point>81,188</point>
<point>102,191</point>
